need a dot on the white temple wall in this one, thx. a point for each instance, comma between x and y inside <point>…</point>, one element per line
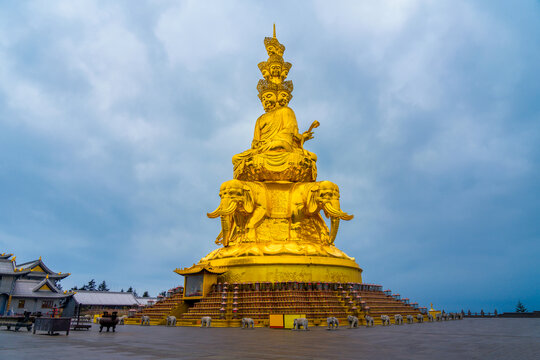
<point>5,283</point>
<point>32,305</point>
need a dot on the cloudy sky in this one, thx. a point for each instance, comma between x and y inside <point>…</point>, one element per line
<point>118,121</point>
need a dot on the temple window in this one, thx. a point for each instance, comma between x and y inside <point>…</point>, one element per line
<point>21,304</point>
<point>194,284</point>
<point>47,304</point>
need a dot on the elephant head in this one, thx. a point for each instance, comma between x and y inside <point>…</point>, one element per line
<point>325,195</point>
<point>236,204</point>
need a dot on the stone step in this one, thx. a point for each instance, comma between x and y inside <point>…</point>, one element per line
<point>315,304</point>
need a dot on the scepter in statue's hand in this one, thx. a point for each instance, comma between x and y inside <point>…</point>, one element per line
<point>309,133</point>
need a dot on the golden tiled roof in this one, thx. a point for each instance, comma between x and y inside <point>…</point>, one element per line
<point>194,269</point>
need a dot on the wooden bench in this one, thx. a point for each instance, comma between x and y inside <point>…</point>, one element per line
<point>16,321</point>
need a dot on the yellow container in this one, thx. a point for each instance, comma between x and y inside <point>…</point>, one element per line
<point>276,321</point>
<point>289,320</point>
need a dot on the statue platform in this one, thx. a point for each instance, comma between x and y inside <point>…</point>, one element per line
<point>288,268</point>
<point>297,166</point>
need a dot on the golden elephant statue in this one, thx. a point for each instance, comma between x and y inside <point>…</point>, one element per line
<point>241,209</point>
<point>309,199</point>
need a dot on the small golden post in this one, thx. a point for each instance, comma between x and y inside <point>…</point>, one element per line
<point>8,303</point>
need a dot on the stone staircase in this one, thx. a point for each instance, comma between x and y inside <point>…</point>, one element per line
<point>228,304</point>
<point>159,311</point>
<point>371,300</point>
<point>317,305</point>
<point>208,306</point>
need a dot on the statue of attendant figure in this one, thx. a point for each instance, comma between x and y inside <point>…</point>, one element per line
<point>277,151</point>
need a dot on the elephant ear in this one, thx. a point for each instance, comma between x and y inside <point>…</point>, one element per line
<point>248,200</point>
<point>311,201</point>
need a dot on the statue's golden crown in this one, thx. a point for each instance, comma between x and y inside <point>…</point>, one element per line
<point>274,81</point>
<point>264,67</point>
<point>287,86</point>
<point>274,59</point>
<point>265,86</point>
<point>273,46</point>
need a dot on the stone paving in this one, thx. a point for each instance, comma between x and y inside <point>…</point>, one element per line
<point>458,339</point>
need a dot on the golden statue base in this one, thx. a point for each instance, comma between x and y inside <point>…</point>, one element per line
<point>286,269</point>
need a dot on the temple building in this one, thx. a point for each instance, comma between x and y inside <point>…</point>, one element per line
<point>29,286</point>
<point>96,302</point>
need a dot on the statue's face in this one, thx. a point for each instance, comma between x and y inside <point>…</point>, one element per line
<point>283,98</point>
<point>268,100</point>
<point>232,191</point>
<point>327,193</point>
<point>271,49</point>
<point>284,73</point>
<point>275,69</point>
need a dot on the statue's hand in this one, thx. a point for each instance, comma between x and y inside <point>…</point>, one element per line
<point>307,135</point>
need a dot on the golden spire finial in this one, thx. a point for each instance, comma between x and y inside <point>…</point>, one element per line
<point>275,31</point>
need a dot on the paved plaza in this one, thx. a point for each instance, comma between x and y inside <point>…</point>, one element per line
<point>458,339</point>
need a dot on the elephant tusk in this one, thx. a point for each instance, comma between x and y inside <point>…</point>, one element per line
<point>334,229</point>
<point>226,229</point>
<point>337,213</point>
<point>214,214</point>
<point>220,212</point>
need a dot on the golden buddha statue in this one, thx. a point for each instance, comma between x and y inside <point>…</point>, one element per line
<point>273,204</point>
<point>272,228</point>
<point>277,152</point>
